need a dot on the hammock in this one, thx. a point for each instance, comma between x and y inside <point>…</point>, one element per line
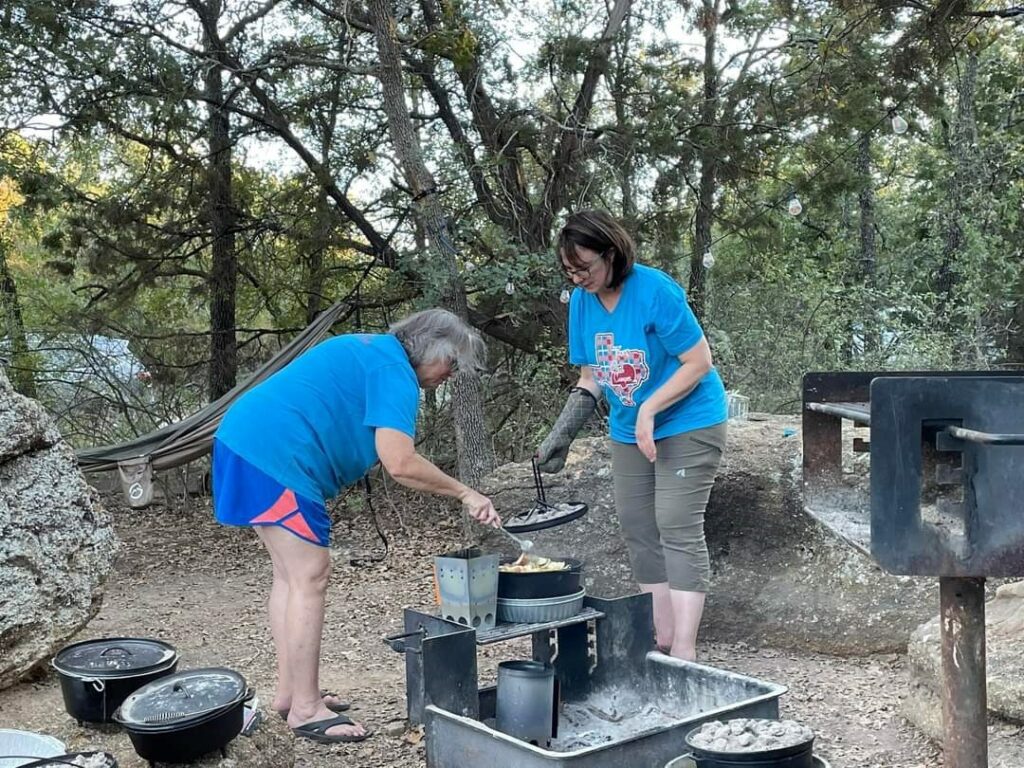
<point>191,438</point>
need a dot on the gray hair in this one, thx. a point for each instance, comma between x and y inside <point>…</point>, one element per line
<point>437,334</point>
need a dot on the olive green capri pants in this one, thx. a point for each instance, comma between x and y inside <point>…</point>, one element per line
<point>661,506</point>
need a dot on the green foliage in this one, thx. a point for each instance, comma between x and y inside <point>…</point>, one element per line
<point>111,233</point>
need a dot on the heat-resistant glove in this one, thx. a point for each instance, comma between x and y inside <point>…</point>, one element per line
<point>553,451</point>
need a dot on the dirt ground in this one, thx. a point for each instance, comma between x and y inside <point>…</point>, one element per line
<point>183,578</point>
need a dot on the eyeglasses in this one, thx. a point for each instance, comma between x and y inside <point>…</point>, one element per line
<point>583,272</point>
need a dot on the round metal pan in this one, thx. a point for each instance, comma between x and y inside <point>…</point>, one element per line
<point>530,586</point>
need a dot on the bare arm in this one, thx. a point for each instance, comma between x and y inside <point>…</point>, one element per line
<point>588,383</point>
<point>397,453</point>
<point>695,363</point>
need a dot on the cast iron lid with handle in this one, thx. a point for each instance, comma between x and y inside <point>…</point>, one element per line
<point>182,699</point>
<point>114,657</point>
<point>543,514</point>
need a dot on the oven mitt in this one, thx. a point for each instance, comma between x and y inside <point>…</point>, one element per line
<point>553,451</point>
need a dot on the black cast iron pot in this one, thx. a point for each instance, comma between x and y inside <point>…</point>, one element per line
<point>182,717</point>
<point>797,756</point>
<point>97,675</point>
<point>528,586</point>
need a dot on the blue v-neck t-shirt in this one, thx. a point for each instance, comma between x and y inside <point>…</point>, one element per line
<point>634,349</point>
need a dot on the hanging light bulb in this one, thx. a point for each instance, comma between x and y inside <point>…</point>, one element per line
<point>899,125</point>
<point>510,287</point>
<point>709,259</point>
<point>470,266</point>
<point>794,206</point>
<point>564,295</point>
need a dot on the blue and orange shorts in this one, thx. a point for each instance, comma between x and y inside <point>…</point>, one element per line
<point>243,494</point>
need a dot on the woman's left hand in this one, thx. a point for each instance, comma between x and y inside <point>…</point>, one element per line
<point>645,433</point>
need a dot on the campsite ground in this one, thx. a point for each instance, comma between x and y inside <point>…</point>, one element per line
<point>183,578</point>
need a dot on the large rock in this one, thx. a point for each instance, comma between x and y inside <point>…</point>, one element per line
<point>1004,626</point>
<point>56,540</point>
<point>780,577</point>
<point>271,745</point>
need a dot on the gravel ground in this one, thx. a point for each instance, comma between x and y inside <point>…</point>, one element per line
<point>202,587</point>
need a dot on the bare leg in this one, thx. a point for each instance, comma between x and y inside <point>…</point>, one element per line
<point>687,609</point>
<point>664,616</point>
<point>306,569</point>
<point>278,607</point>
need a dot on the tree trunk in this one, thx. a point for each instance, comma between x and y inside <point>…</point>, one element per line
<point>866,201</point>
<point>224,266</point>
<point>476,456</point>
<point>963,147</point>
<point>318,241</point>
<point>708,162</point>
<point>21,366</point>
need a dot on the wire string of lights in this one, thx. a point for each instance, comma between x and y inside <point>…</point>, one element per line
<point>792,201</point>
<point>794,207</point>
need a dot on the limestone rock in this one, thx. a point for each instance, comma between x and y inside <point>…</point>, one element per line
<point>271,745</point>
<point>779,576</point>
<point>56,540</point>
<point>1004,626</point>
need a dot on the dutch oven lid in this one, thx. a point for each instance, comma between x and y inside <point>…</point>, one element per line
<point>182,697</point>
<point>114,657</point>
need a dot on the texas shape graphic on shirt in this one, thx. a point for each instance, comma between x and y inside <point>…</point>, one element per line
<point>621,370</point>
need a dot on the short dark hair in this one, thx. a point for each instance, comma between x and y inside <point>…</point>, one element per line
<point>599,231</point>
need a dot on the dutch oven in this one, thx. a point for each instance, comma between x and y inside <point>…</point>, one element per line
<point>797,756</point>
<point>97,675</point>
<point>183,716</point>
<point>539,584</point>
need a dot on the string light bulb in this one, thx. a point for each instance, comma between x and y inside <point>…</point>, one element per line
<point>794,206</point>
<point>564,295</point>
<point>470,266</point>
<point>510,287</point>
<point>899,125</point>
<point>709,259</point>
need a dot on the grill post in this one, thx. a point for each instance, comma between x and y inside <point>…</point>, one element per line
<point>964,686</point>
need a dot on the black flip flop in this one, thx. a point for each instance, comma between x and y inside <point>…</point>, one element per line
<point>343,706</point>
<point>317,731</point>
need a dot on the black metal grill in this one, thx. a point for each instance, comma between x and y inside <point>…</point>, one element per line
<point>947,477</point>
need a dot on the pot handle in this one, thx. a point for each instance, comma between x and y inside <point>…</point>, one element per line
<point>124,651</point>
<point>685,760</point>
<point>250,694</point>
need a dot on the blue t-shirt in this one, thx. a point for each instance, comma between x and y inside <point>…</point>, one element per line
<point>311,425</point>
<point>634,349</point>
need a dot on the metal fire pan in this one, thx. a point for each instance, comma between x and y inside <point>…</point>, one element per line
<point>700,693</point>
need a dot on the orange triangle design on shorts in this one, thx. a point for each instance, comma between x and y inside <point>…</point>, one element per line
<point>284,506</point>
<point>297,524</point>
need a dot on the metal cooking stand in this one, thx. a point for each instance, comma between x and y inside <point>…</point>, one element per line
<point>585,649</point>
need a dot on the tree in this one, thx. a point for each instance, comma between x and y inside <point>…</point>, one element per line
<point>476,457</point>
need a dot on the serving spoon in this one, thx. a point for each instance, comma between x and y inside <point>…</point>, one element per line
<point>524,544</point>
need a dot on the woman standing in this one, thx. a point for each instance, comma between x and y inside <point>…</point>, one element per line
<point>295,440</point>
<point>637,340</point>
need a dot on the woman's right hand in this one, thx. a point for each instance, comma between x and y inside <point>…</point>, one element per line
<point>481,509</point>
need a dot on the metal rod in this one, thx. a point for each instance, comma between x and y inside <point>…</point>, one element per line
<point>964,686</point>
<point>539,482</point>
<point>859,414</point>
<point>989,438</point>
